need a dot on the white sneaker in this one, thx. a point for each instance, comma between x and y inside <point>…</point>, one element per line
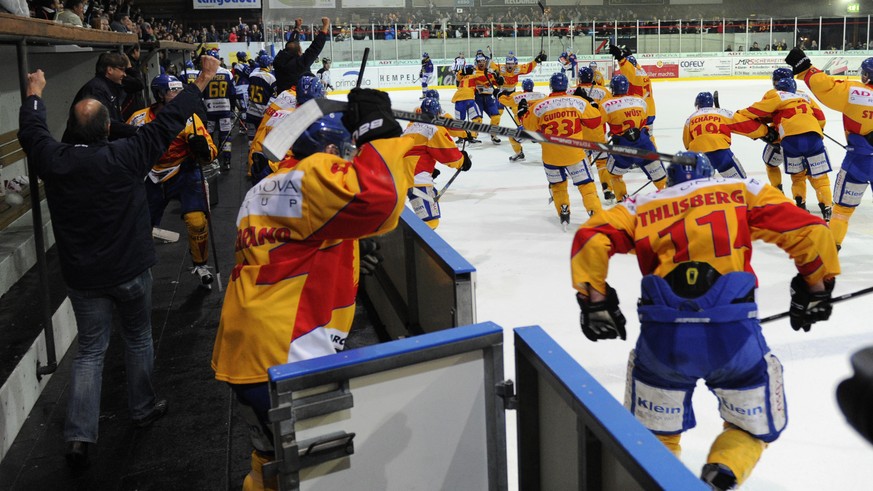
<point>202,272</point>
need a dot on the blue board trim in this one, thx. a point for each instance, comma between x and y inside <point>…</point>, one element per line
<point>349,358</point>
<point>651,455</point>
<point>440,247</point>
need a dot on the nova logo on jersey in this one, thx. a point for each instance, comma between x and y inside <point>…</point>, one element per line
<point>279,195</point>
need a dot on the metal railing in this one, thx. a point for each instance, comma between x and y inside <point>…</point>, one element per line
<point>445,41</point>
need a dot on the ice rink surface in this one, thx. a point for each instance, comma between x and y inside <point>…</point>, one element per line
<point>497,215</point>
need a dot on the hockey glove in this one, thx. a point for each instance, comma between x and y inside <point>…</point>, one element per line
<point>541,57</point>
<point>370,257</point>
<point>602,320</point>
<point>809,307</point>
<point>467,162</point>
<point>260,167</point>
<point>771,136</point>
<point>500,80</point>
<point>369,116</point>
<point>632,134</point>
<point>580,92</point>
<point>436,173</point>
<point>616,52</point>
<point>798,60</point>
<point>522,108</point>
<point>468,70</point>
<point>200,148</point>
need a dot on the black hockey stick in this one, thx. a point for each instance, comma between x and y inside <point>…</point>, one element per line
<point>363,66</point>
<point>831,139</point>
<point>640,188</point>
<point>208,212</point>
<point>834,300</point>
<point>545,23</point>
<point>715,100</point>
<point>443,190</point>
<point>289,129</point>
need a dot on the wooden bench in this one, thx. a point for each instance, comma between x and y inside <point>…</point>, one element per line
<point>11,153</point>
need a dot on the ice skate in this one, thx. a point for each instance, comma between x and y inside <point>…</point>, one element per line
<point>826,211</point>
<point>517,157</point>
<point>718,476</point>
<point>495,140</point>
<point>565,217</point>
<point>608,196</point>
<point>800,203</point>
<point>205,276</point>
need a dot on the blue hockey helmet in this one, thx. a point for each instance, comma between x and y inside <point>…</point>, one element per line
<point>511,59</point>
<point>164,83</point>
<point>213,53</point>
<point>866,71</point>
<point>481,57</point>
<point>558,82</point>
<point>241,55</point>
<point>431,106</point>
<point>619,85</point>
<point>563,55</point>
<point>327,132</point>
<point>586,75</point>
<point>264,61</point>
<point>527,85</point>
<point>704,99</point>
<point>678,173</point>
<point>781,73</point>
<point>785,85</point>
<point>593,65</point>
<point>262,52</point>
<point>309,87</point>
<point>425,56</point>
<point>189,64</point>
<point>432,93</point>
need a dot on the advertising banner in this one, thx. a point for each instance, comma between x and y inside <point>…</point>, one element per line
<point>359,4</point>
<point>302,4</point>
<point>662,69</point>
<point>705,67</point>
<point>227,4</point>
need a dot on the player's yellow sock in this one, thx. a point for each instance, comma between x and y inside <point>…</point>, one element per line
<point>254,480</point>
<point>672,443</point>
<point>661,183</point>
<point>198,236</point>
<point>738,450</point>
<point>840,222</point>
<point>774,174</point>
<point>822,186</point>
<point>560,195</point>
<point>619,187</point>
<point>798,186</point>
<point>589,197</point>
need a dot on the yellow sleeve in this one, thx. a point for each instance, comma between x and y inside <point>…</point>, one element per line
<point>763,108</point>
<point>832,93</point>
<point>604,234</point>
<point>526,68</point>
<point>686,136</point>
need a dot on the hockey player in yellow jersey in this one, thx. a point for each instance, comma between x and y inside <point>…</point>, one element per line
<point>565,115</point>
<point>799,122</point>
<point>177,175</point>
<point>626,116</point>
<point>465,99</point>
<point>697,310</point>
<point>598,77</point>
<point>854,99</point>
<point>509,72</point>
<point>486,82</point>
<point>772,154</point>
<point>708,131</point>
<point>512,101</point>
<point>432,144</point>
<point>296,251</point>
<point>639,83</point>
<point>586,87</point>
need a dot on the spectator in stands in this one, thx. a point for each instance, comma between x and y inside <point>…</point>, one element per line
<point>148,33</point>
<point>134,83</point>
<point>813,45</point>
<point>755,47</point>
<point>292,62</point>
<point>104,239</point>
<point>231,38</point>
<point>45,9</point>
<point>119,22</point>
<point>107,88</point>
<point>73,13</point>
<point>256,35</point>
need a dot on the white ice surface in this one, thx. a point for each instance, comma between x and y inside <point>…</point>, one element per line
<point>497,215</point>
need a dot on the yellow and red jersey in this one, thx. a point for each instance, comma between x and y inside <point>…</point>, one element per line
<point>707,220</point>
<point>709,129</point>
<point>283,101</point>
<point>597,92</point>
<point>624,112</point>
<point>852,98</point>
<point>295,272</point>
<point>432,144</point>
<point>510,75</point>
<point>485,81</point>
<point>511,100</point>
<point>793,113</point>
<point>264,129</point>
<point>568,116</point>
<point>466,88</point>
<point>178,152</point>
<point>640,84</point>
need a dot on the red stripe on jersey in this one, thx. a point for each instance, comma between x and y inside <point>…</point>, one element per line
<point>810,267</point>
<point>647,259</point>
<point>757,112</point>
<point>621,242</point>
<point>851,126</point>
<point>330,286</point>
<point>782,217</point>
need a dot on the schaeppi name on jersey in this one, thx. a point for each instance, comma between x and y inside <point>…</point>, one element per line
<point>675,208</point>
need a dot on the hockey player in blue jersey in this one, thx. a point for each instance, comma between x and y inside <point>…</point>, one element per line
<point>426,73</point>
<point>262,88</point>
<point>241,72</point>
<point>220,99</point>
<point>568,66</point>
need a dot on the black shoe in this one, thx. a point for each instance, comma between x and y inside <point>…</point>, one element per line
<point>157,413</point>
<point>718,476</point>
<point>495,140</point>
<point>800,203</point>
<point>608,195</point>
<point>517,157</point>
<point>77,455</point>
<point>826,211</point>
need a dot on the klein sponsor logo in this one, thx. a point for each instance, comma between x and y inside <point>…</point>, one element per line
<point>657,408</point>
<point>744,411</point>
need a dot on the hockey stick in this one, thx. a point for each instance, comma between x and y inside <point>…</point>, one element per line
<point>289,129</point>
<point>208,212</point>
<point>544,22</point>
<point>715,100</point>
<point>443,190</point>
<point>363,66</point>
<point>834,300</point>
<point>831,139</point>
<point>640,188</point>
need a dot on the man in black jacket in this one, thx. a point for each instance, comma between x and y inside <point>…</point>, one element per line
<point>100,218</point>
<point>107,88</point>
<point>292,62</point>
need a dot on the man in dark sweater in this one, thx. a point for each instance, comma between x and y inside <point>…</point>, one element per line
<point>100,219</point>
<point>107,88</point>
<point>292,62</point>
